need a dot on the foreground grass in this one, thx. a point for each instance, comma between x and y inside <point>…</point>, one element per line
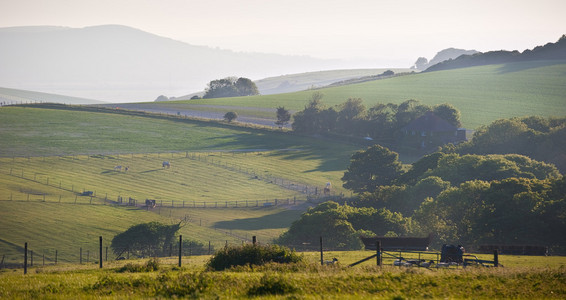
<point>305,281</point>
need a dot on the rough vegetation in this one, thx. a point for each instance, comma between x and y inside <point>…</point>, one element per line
<point>251,255</point>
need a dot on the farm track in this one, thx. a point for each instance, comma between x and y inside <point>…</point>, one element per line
<point>203,114</point>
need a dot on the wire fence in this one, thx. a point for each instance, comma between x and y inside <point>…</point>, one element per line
<point>91,253</point>
<point>70,193</point>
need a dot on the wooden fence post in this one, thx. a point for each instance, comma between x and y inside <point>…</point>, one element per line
<point>495,258</point>
<point>180,248</point>
<point>378,247</point>
<point>100,251</point>
<point>26,258</point>
<point>321,253</point>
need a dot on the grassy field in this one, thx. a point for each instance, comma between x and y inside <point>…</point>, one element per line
<point>305,281</point>
<point>42,188</point>
<point>482,94</point>
<point>48,227</point>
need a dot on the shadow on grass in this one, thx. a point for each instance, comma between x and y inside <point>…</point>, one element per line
<point>282,219</point>
<point>521,66</point>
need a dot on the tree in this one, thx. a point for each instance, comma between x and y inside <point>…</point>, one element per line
<point>326,220</point>
<point>351,111</point>
<point>230,116</point>
<point>246,87</point>
<point>371,168</point>
<point>147,239</point>
<point>420,64</point>
<point>309,119</point>
<point>448,113</point>
<point>283,116</point>
<point>219,88</point>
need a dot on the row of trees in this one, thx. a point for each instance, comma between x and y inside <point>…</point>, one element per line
<point>381,121</point>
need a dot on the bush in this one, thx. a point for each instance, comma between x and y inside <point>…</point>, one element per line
<point>252,255</point>
<point>271,284</point>
<point>151,265</point>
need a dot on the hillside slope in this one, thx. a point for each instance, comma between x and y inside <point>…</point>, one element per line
<point>482,94</point>
<point>15,96</point>
<point>550,51</point>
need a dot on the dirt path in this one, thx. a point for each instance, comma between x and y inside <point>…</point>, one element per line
<point>166,109</point>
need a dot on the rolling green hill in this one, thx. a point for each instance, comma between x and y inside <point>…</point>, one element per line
<point>482,94</point>
<point>50,156</point>
<point>15,96</point>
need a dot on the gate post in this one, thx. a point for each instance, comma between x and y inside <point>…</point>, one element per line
<point>378,247</point>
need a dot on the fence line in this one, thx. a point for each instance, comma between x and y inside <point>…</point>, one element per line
<point>91,197</point>
<point>38,256</point>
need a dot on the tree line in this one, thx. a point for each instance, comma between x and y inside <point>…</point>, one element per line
<point>380,122</point>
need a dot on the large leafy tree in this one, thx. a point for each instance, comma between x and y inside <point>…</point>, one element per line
<point>146,239</point>
<point>309,120</point>
<point>372,168</point>
<point>448,113</point>
<point>351,113</point>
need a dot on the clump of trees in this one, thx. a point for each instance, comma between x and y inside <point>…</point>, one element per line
<point>341,226</point>
<point>460,197</point>
<point>381,121</point>
<point>230,87</point>
<point>539,138</point>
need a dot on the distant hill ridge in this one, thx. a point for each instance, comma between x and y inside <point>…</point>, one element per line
<point>550,51</point>
<point>117,63</point>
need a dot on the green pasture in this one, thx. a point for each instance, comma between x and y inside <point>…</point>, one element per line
<point>44,132</point>
<point>65,228</point>
<point>482,94</point>
<point>194,179</point>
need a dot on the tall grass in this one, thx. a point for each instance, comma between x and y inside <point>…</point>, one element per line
<point>305,281</point>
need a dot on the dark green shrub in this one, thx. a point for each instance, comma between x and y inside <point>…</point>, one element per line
<point>252,255</point>
<point>271,284</point>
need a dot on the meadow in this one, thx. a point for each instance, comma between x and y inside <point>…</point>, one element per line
<point>482,94</point>
<point>306,280</point>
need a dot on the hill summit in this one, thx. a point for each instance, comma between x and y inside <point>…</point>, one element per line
<point>550,51</point>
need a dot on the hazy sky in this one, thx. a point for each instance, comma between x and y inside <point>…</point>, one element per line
<point>391,33</point>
